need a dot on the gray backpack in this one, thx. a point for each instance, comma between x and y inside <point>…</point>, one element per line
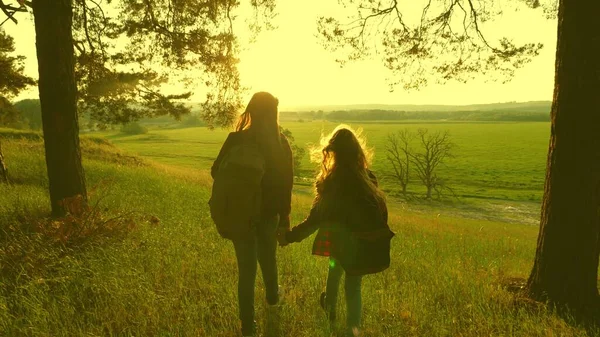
<point>235,201</point>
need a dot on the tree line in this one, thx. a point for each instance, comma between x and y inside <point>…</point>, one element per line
<point>27,114</point>
<point>508,115</point>
<point>24,114</point>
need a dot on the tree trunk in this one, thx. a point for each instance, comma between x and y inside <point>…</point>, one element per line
<point>58,95</point>
<point>3,170</point>
<point>565,270</point>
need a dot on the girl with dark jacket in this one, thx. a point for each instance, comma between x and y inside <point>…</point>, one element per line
<point>259,123</point>
<point>350,214</point>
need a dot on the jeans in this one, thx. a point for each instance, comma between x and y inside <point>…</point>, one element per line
<point>260,247</point>
<point>352,287</point>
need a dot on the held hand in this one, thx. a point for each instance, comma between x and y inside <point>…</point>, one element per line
<point>281,237</point>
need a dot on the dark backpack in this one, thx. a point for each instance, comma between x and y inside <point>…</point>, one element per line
<point>362,253</point>
<point>362,242</point>
<point>235,201</point>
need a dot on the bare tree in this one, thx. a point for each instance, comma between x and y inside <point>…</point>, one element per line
<point>436,148</point>
<point>399,155</point>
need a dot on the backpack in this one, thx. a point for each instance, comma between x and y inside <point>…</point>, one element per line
<point>235,201</point>
<point>362,241</point>
<point>362,253</point>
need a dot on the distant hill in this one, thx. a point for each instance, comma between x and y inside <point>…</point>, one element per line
<point>532,106</point>
<point>538,111</point>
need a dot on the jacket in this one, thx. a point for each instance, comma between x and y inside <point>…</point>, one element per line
<point>277,182</point>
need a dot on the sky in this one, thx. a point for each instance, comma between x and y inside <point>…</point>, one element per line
<point>290,63</point>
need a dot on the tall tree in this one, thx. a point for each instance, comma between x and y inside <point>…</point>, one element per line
<point>133,57</point>
<point>58,99</point>
<point>565,271</point>
<point>128,51</point>
<point>163,38</point>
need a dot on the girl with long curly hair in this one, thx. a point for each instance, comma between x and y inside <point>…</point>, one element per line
<point>350,212</point>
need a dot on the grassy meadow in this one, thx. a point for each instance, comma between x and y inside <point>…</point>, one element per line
<point>503,161</point>
<point>148,261</point>
<point>497,170</point>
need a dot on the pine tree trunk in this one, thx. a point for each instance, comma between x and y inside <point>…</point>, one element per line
<point>565,270</point>
<point>58,95</point>
<point>3,170</point>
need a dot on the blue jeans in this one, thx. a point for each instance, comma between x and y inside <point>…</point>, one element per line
<point>352,288</point>
<point>260,247</point>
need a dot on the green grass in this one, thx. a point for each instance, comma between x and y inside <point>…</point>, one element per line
<point>178,278</point>
<point>497,170</point>
<point>492,160</point>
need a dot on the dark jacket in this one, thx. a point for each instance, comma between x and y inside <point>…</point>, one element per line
<point>277,182</point>
<point>358,235</point>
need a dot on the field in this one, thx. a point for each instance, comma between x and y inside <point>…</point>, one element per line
<point>160,269</point>
<point>497,170</point>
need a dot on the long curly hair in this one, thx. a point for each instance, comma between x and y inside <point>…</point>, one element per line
<point>344,175</point>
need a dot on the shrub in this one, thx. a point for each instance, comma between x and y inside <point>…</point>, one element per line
<point>134,129</point>
<point>192,121</point>
<point>297,151</point>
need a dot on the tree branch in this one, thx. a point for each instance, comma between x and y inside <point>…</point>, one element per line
<point>10,15</point>
<point>474,13</point>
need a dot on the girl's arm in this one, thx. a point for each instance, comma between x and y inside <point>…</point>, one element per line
<point>304,229</point>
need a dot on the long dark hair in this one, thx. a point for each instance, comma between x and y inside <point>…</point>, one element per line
<point>261,119</point>
<point>344,173</point>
